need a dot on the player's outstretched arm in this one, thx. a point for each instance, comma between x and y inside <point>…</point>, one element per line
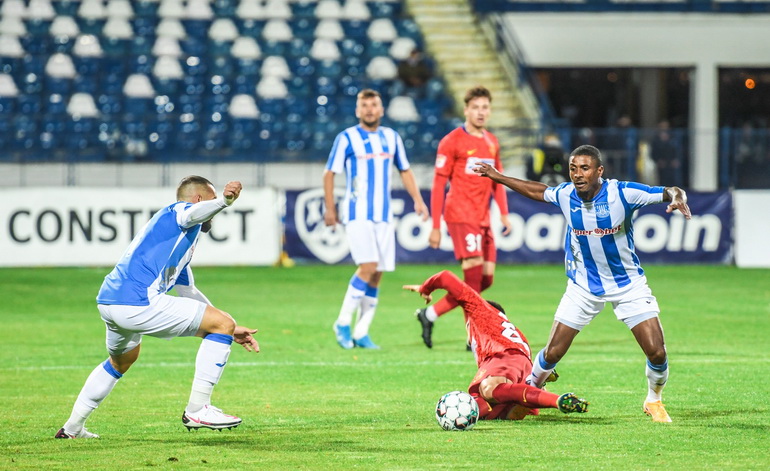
<point>678,200</point>
<point>245,337</point>
<point>530,189</point>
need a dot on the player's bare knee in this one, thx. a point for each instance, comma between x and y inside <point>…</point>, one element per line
<point>657,356</point>
<point>226,325</point>
<point>487,387</point>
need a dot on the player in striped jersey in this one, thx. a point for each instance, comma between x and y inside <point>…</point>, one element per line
<point>367,153</point>
<point>601,263</point>
<point>133,302</point>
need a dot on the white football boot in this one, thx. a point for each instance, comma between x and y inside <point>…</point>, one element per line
<point>210,417</point>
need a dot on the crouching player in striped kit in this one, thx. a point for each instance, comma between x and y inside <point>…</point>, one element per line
<point>502,355</point>
<point>367,154</point>
<point>601,263</point>
<point>133,302</point>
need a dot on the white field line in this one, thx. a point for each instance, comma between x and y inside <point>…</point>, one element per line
<point>377,364</point>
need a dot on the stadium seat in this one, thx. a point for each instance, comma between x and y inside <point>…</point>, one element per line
<point>356,10</point>
<point>166,46</point>
<point>304,28</point>
<point>246,48</point>
<point>382,68</point>
<point>224,8</point>
<point>328,9</point>
<point>402,109</point>
<point>12,26</point>
<point>329,29</point>
<point>171,9</point>
<point>250,10</point>
<point>223,29</point>
<point>325,49</point>
<point>13,9</point>
<point>171,27</point>
<point>275,66</point>
<point>198,10</point>
<point>304,9</point>
<point>272,87</point>
<point>11,48</point>
<point>8,96</point>
<point>382,29</point>
<point>278,9</point>
<point>40,10</point>
<point>277,30</point>
<point>119,9</point>
<point>401,48</point>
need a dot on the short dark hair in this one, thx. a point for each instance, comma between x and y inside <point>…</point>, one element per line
<point>590,151</point>
<point>477,92</point>
<point>189,181</point>
<point>368,93</point>
<point>496,306</point>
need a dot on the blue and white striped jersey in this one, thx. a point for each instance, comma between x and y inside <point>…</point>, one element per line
<point>367,158</point>
<point>599,244</point>
<point>159,256</point>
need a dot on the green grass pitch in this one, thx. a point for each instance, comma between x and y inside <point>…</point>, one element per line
<point>308,404</point>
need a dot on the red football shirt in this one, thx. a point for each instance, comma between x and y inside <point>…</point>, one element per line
<point>489,330</point>
<point>468,198</point>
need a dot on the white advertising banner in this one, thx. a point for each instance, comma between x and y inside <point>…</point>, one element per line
<point>93,226</point>
<point>752,226</point>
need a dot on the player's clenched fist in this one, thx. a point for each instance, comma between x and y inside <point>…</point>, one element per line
<point>232,191</point>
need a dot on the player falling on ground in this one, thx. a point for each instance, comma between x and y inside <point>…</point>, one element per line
<point>466,209</point>
<point>133,301</point>
<point>367,154</point>
<point>601,263</point>
<point>502,355</point>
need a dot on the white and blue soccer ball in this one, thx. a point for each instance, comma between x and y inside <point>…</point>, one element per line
<point>457,410</point>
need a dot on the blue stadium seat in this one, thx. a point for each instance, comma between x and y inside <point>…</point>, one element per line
<point>145,26</point>
<point>82,139</point>
<point>109,104</point>
<point>190,103</point>
<point>298,87</point>
<point>66,7</point>
<point>302,67</point>
<point>304,28</point>
<point>303,9</point>
<point>273,48</point>
<point>329,68</point>
<point>29,103</point>
<point>243,134</point>
<point>25,132</point>
<point>188,134</point>
<point>355,29</point>
<point>160,135</point>
<point>37,44</point>
<point>145,8</point>
<point>225,8</point>
<point>250,28</point>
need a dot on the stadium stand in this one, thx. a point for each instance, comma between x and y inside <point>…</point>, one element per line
<point>156,79</point>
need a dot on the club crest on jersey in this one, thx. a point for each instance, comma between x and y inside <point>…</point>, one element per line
<point>602,209</point>
<point>440,161</point>
<point>330,246</point>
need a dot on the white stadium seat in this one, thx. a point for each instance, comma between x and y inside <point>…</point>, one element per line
<point>402,108</point>
<point>246,48</point>
<point>60,65</point>
<point>166,46</point>
<point>87,45</point>
<point>138,86</point>
<point>168,67</point>
<point>329,29</point>
<point>382,29</point>
<point>243,106</point>
<point>82,105</point>
<point>272,87</point>
<point>382,68</point>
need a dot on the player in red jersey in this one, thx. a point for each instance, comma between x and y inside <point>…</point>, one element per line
<point>502,355</point>
<point>466,209</point>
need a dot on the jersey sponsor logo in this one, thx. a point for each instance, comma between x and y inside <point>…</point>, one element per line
<point>471,152</point>
<point>440,161</point>
<point>378,155</point>
<point>598,232</point>
<point>574,210</point>
<point>473,162</point>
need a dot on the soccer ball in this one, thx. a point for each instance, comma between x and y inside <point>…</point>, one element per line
<point>457,410</point>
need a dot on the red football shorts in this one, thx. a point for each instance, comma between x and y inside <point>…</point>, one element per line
<point>471,240</point>
<point>512,365</point>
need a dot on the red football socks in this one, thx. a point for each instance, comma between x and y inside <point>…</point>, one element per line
<point>524,394</point>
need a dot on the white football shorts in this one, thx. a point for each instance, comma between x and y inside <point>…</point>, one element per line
<point>165,317</point>
<point>372,242</point>
<point>632,305</point>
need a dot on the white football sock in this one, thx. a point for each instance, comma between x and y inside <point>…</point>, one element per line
<point>657,376</point>
<point>352,301</point>
<point>541,370</point>
<point>430,313</point>
<point>98,385</point>
<point>209,364</point>
<point>368,308</point>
